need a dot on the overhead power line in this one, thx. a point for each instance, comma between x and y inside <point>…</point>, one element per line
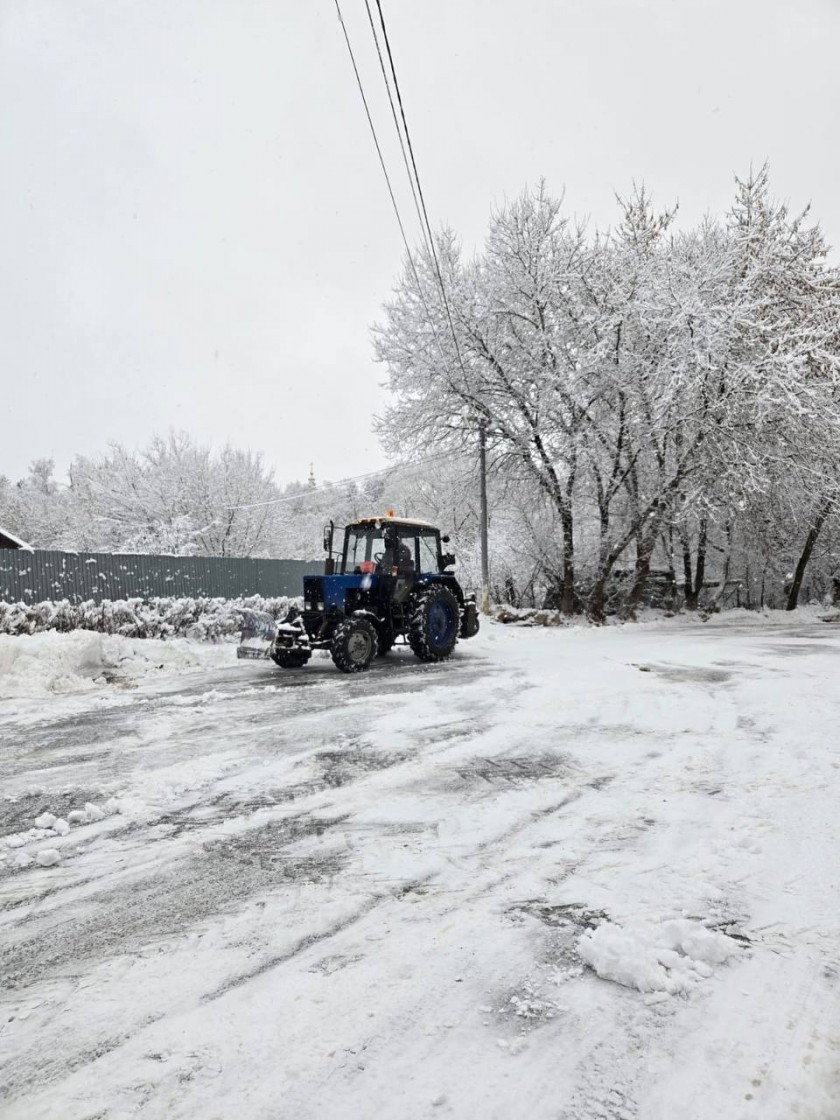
<point>385,173</point>
<point>304,494</point>
<point>413,178</point>
<point>431,238</point>
<point>399,131</point>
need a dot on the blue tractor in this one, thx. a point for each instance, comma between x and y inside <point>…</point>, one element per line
<point>388,583</point>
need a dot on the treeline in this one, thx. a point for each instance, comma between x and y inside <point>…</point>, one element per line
<point>174,497</point>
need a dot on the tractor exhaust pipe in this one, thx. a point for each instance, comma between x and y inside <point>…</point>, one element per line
<point>329,563</point>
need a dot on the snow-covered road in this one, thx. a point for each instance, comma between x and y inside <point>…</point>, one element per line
<point>575,874</point>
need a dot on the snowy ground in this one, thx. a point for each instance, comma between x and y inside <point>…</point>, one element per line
<point>572,875</point>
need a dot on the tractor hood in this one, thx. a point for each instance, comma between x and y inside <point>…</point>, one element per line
<point>324,592</point>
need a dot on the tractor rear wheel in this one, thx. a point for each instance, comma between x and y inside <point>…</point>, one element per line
<point>291,658</point>
<point>353,645</point>
<point>433,629</point>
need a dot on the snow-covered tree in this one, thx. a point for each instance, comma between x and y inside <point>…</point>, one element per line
<point>36,508</point>
<point>650,385</point>
<point>500,352</point>
<point>174,497</point>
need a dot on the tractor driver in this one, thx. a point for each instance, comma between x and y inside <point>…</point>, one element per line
<point>397,553</point>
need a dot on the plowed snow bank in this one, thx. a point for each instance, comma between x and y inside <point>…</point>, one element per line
<point>42,664</point>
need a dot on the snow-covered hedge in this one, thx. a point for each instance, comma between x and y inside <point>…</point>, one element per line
<point>199,619</point>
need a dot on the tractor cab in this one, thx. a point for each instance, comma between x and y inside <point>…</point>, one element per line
<point>392,547</point>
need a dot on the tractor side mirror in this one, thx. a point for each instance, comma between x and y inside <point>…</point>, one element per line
<point>328,537</point>
<point>447,560</point>
<point>445,540</point>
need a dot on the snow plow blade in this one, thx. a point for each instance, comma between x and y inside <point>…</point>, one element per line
<point>257,636</point>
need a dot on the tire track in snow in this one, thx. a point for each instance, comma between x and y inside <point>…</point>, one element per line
<point>65,933</point>
<point>165,903</point>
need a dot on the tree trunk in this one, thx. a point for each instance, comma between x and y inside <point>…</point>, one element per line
<point>810,541</point>
<point>720,594</point>
<point>644,552</point>
<point>668,545</point>
<point>568,602</point>
<point>653,509</point>
<point>595,601</point>
<point>694,585</point>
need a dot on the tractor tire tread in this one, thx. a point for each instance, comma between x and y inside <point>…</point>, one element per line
<point>418,628</point>
<point>291,658</point>
<point>339,644</point>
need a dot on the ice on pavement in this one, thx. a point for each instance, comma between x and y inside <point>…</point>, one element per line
<point>573,873</point>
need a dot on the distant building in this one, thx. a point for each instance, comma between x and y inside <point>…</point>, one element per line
<point>9,540</point>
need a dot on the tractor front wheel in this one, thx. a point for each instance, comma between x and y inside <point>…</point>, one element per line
<point>353,645</point>
<point>435,617</point>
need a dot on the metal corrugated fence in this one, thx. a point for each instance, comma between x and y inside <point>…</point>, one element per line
<point>34,577</point>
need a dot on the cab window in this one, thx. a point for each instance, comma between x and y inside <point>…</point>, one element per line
<point>362,545</point>
<point>429,553</point>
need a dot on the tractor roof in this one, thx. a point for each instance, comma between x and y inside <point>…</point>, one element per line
<point>391,520</point>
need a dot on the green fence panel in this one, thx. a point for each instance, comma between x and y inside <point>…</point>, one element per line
<point>40,576</point>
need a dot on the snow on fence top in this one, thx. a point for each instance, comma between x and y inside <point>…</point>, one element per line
<point>9,540</point>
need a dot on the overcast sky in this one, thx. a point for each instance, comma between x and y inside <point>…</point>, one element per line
<point>195,232</point>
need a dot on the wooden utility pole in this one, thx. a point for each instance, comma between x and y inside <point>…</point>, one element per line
<point>485,563</point>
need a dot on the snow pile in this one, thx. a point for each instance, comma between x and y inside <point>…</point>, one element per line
<point>82,661</point>
<point>670,957</point>
<point>529,1003</point>
<point>734,616</point>
<point>805,613</point>
<point>90,814</point>
<point>199,619</point>
<point>530,616</point>
<point>47,826</point>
